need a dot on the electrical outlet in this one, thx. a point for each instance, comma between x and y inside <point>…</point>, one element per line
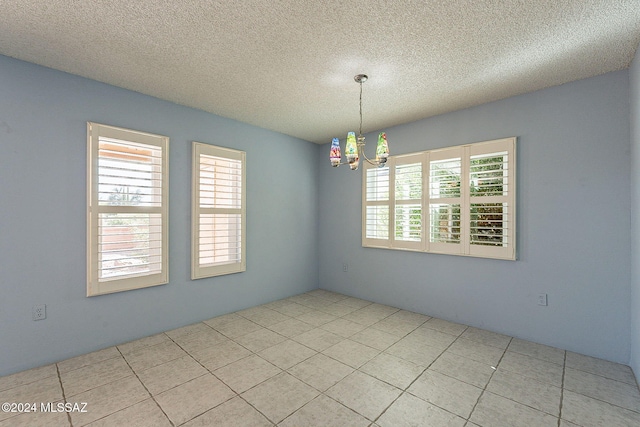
<point>39,312</point>
<point>345,267</point>
<point>542,299</point>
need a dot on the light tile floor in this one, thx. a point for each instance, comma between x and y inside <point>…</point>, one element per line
<point>325,359</point>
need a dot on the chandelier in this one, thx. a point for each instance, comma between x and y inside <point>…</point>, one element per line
<point>354,148</point>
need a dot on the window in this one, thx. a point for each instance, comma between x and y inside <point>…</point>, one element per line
<point>127,209</point>
<point>218,211</point>
<point>458,200</point>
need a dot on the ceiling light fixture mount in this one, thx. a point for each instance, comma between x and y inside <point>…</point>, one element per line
<point>354,148</point>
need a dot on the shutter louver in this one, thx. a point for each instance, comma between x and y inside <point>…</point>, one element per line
<point>445,198</point>
<point>408,198</point>
<point>377,203</point>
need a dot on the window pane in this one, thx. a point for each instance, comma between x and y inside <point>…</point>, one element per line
<point>129,174</point>
<point>129,245</point>
<point>377,184</point>
<point>220,239</point>
<point>489,224</point>
<point>377,222</point>
<point>488,174</point>
<point>220,182</point>
<point>445,223</point>
<point>409,182</point>
<point>444,178</point>
<point>409,223</point>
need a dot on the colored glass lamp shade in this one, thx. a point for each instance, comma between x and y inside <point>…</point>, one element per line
<point>351,151</point>
<point>334,155</point>
<point>382,150</point>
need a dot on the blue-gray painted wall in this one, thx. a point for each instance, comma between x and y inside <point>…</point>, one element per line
<point>634,101</point>
<point>573,214</point>
<point>43,115</point>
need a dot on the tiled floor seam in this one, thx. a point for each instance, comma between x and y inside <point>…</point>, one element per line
<point>145,387</point>
<point>64,397</point>
<point>564,369</point>
<point>405,390</point>
<point>494,369</point>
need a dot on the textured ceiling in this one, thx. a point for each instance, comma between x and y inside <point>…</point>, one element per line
<point>289,65</point>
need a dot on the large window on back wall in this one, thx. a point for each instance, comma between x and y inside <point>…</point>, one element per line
<point>459,200</point>
<point>127,212</point>
<point>218,211</point>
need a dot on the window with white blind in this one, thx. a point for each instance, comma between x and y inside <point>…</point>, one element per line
<point>218,211</point>
<point>458,200</point>
<point>127,209</point>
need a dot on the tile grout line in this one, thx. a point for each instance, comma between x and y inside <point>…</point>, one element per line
<point>64,396</point>
<point>564,370</point>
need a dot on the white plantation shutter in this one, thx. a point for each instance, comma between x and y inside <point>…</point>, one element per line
<point>407,208</point>
<point>376,206</point>
<point>218,211</point>
<point>458,200</point>
<point>127,209</point>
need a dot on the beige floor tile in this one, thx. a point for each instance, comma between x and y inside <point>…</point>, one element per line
<point>393,370</point>
<point>44,390</point>
<point>446,392</point>
<point>463,369</point>
<point>237,327</point>
<point>95,375</point>
<point>235,412</point>
<point>260,339</point>
<point>316,318</point>
<point>320,371</point>
<point>325,412</point>
<point>398,325</point>
<point>363,317</point>
<point>200,341</point>
<point>148,357</point>
<point>479,352</point>
<point>380,309</point>
<point>274,305</point>
<point>355,302</point>
<point>431,337</point>
<point>221,354</point>
<point>171,374</point>
<point>487,337</point>
<point>88,359</point>
<point>420,355</point>
<point>287,354</point>
<point>36,419</point>
<point>541,396</point>
<point>351,353</point>
<point>28,376</point>
<point>315,302</point>
<point>375,338</point>
<point>194,328</point>
<point>587,412</point>
<point>247,373</point>
<point>318,339</point>
<point>410,411</point>
<point>329,295</point>
<point>143,414</point>
<point>338,309</point>
<point>611,391</point>
<point>291,328</point>
<point>132,346</point>
<point>218,321</point>
<point>539,351</point>
<point>108,399</point>
<point>364,394</point>
<point>496,411</point>
<point>264,317</point>
<point>604,368</point>
<point>410,317</point>
<point>531,367</point>
<point>280,396</point>
<point>293,309</point>
<point>344,328</point>
<point>445,326</point>
<point>193,398</point>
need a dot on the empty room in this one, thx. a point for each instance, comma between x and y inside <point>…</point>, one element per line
<point>322,214</point>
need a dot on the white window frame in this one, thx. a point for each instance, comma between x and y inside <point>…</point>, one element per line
<point>465,247</point>
<point>97,285</point>
<point>199,270</point>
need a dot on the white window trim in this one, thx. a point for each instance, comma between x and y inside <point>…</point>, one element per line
<point>198,271</point>
<point>464,248</point>
<point>94,285</point>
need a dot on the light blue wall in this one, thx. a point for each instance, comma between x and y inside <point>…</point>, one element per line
<point>573,223</point>
<point>634,97</point>
<point>43,115</point>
